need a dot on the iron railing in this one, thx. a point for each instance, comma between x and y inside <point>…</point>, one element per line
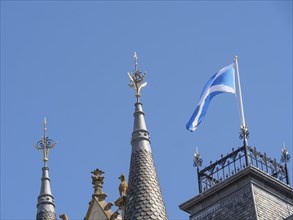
<point>236,161</point>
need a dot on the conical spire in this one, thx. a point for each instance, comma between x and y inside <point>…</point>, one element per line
<point>144,198</point>
<point>46,205</point>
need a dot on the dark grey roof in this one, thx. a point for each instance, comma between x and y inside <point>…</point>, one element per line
<point>46,215</point>
<point>46,205</point>
<point>144,198</point>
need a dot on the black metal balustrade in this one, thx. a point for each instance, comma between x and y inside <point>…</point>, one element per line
<point>237,161</point>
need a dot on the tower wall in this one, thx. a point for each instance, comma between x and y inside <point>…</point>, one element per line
<point>249,194</point>
<point>237,205</point>
<point>272,205</point>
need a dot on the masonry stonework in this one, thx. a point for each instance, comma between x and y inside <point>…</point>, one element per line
<point>250,194</point>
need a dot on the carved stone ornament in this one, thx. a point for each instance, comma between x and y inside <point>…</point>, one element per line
<point>97,181</point>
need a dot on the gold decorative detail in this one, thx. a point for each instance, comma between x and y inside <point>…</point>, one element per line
<point>123,186</point>
<point>136,79</point>
<point>63,216</point>
<point>45,143</point>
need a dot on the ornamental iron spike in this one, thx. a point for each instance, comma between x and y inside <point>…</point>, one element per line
<point>285,157</point>
<point>197,160</point>
<point>244,133</point>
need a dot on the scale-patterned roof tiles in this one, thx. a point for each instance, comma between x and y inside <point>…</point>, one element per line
<point>144,197</point>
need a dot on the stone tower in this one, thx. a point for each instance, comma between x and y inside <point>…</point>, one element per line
<point>46,204</point>
<point>245,184</point>
<point>144,198</point>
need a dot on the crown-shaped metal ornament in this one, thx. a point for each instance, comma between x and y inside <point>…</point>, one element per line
<point>136,79</point>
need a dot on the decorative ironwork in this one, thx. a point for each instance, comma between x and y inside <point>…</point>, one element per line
<point>236,161</point>
<point>45,144</point>
<point>244,133</point>
<point>197,160</point>
<point>285,157</point>
<point>136,79</point>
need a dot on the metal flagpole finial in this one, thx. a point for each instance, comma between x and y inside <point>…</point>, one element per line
<point>136,79</point>
<point>244,133</point>
<point>45,144</point>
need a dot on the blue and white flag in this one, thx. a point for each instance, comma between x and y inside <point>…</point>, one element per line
<point>222,81</point>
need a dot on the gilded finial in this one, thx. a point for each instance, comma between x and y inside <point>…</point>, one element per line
<point>45,144</point>
<point>136,79</point>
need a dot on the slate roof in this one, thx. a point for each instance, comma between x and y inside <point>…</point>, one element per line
<point>144,198</point>
<point>46,215</point>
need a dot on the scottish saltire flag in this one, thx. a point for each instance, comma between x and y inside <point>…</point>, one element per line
<point>222,81</point>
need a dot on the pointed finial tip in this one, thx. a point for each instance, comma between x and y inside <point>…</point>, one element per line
<point>235,57</point>
<point>45,124</point>
<point>135,60</point>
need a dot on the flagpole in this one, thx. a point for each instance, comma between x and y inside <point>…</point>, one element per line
<point>243,129</point>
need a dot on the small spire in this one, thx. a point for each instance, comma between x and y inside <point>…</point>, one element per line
<point>46,204</point>
<point>136,79</point>
<point>45,144</point>
<point>144,198</point>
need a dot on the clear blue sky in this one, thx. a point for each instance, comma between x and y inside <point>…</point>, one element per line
<point>68,61</point>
